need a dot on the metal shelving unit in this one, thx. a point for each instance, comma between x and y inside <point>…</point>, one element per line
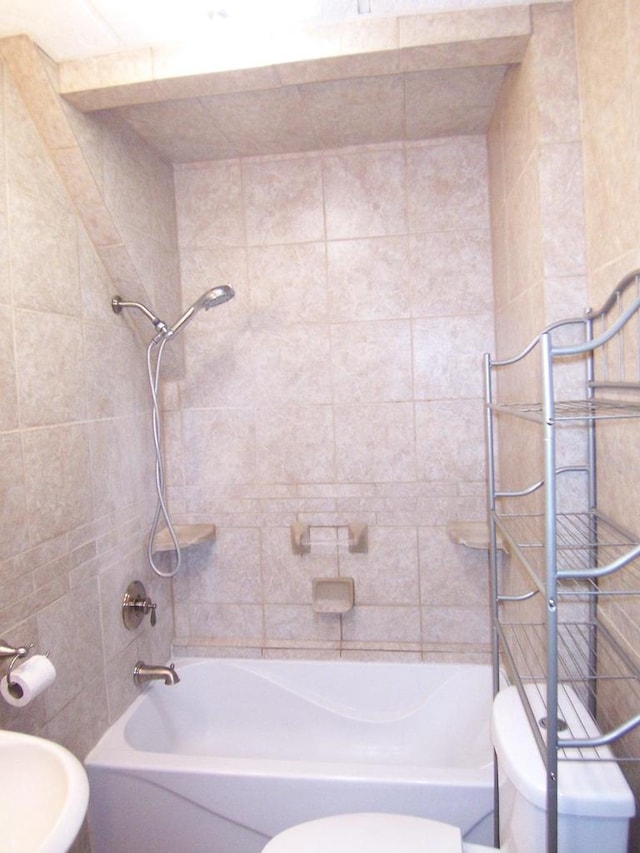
<point>579,563</point>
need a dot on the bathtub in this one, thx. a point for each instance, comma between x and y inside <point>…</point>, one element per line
<point>241,749</point>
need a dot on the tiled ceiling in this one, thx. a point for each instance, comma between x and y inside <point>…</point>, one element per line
<point>408,101</point>
<point>318,116</point>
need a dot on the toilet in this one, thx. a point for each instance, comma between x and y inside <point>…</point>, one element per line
<point>595,803</point>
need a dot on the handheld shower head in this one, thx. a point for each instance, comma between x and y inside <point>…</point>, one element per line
<point>217,295</point>
<point>209,299</point>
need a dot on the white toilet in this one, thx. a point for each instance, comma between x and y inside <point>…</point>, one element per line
<point>595,803</point>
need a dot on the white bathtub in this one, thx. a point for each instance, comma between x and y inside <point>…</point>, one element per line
<point>241,749</point>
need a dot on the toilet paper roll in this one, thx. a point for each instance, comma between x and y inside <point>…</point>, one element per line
<point>28,681</point>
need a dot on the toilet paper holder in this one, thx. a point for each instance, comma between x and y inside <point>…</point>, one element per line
<point>16,654</point>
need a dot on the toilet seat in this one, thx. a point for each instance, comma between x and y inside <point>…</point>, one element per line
<point>370,832</point>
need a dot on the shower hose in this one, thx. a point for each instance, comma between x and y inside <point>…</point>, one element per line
<point>161,511</point>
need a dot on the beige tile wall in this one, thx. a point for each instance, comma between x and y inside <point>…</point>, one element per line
<point>564,208</point>
<point>75,461</point>
<point>610,100</point>
<point>537,215</point>
<point>341,385</point>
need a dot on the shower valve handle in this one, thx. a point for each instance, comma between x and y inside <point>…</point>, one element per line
<point>136,605</point>
<point>147,606</point>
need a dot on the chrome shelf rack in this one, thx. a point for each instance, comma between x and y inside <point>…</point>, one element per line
<point>582,566</point>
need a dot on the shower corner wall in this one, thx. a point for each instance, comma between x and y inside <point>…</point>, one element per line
<point>76,482</point>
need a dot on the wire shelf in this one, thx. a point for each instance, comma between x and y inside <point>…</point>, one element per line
<point>585,541</point>
<point>579,685</point>
<point>573,410</point>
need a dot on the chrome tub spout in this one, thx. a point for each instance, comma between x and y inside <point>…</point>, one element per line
<point>143,672</point>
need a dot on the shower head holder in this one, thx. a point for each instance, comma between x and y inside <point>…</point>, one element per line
<point>118,303</point>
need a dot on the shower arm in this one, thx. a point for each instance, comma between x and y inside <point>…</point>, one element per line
<point>118,303</point>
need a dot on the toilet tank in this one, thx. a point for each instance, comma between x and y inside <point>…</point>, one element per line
<point>595,802</point>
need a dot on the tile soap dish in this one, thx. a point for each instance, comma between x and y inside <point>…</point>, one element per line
<point>332,595</point>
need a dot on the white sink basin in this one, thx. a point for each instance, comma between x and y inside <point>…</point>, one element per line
<point>44,796</point>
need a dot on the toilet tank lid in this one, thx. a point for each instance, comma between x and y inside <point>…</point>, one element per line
<point>588,788</point>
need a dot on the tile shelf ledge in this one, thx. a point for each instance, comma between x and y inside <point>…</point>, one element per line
<point>187,534</point>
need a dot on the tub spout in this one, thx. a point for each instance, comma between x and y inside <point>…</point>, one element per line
<point>143,672</point>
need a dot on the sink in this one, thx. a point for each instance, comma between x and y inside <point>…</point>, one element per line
<point>44,794</point>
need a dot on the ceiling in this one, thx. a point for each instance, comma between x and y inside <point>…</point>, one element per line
<point>76,29</point>
<point>407,102</point>
<point>320,116</point>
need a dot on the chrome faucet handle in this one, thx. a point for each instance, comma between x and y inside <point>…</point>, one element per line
<point>136,604</point>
